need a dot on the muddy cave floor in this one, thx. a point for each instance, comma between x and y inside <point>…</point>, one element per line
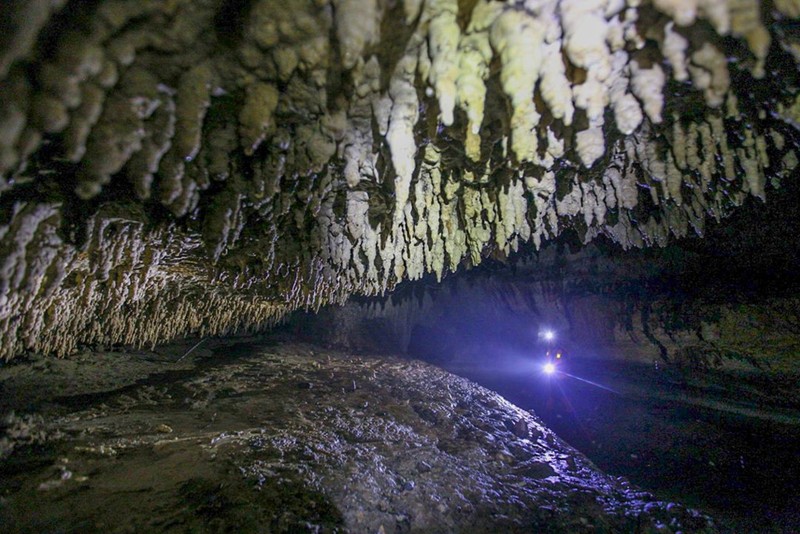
<point>269,435</point>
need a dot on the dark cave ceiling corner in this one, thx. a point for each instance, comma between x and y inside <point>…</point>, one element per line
<point>207,166</point>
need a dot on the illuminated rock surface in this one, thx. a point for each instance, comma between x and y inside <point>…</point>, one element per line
<point>724,302</point>
<point>185,166</point>
<point>263,437</point>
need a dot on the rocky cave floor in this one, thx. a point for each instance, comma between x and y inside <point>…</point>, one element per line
<point>273,436</point>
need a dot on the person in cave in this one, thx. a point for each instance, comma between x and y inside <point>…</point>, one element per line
<point>555,368</point>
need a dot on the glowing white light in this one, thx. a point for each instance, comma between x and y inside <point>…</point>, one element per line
<point>549,368</point>
<point>549,335</point>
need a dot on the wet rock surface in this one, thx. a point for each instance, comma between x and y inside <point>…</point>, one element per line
<point>701,439</point>
<point>271,437</point>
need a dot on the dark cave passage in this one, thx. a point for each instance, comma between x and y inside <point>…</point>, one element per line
<point>701,441</point>
<point>679,363</point>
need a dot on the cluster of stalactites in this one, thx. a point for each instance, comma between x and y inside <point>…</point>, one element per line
<point>124,285</point>
<point>584,82</point>
<point>559,58</point>
<point>310,167</point>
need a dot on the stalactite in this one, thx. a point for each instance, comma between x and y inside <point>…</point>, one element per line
<point>323,148</point>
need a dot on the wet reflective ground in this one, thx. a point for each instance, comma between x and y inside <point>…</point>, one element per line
<point>723,448</point>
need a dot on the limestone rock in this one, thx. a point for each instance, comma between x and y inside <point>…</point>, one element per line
<point>255,161</point>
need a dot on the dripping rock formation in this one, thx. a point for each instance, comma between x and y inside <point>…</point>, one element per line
<point>207,166</point>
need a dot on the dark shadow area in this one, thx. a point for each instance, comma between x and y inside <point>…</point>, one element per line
<point>702,443</point>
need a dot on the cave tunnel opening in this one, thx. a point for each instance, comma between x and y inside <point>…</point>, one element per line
<point>672,367</point>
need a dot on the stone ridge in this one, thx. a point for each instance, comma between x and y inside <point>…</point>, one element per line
<point>185,166</point>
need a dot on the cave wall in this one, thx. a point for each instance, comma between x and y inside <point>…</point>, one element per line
<point>207,166</point>
<point>663,307</point>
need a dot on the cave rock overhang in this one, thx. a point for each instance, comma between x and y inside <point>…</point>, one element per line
<point>206,166</point>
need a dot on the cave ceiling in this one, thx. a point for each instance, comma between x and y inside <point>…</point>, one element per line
<point>207,166</point>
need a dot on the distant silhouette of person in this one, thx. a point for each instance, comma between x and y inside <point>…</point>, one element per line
<point>556,362</point>
<point>557,357</point>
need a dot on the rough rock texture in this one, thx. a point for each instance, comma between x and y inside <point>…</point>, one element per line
<point>465,319</point>
<point>702,304</point>
<point>289,439</point>
<point>183,166</point>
